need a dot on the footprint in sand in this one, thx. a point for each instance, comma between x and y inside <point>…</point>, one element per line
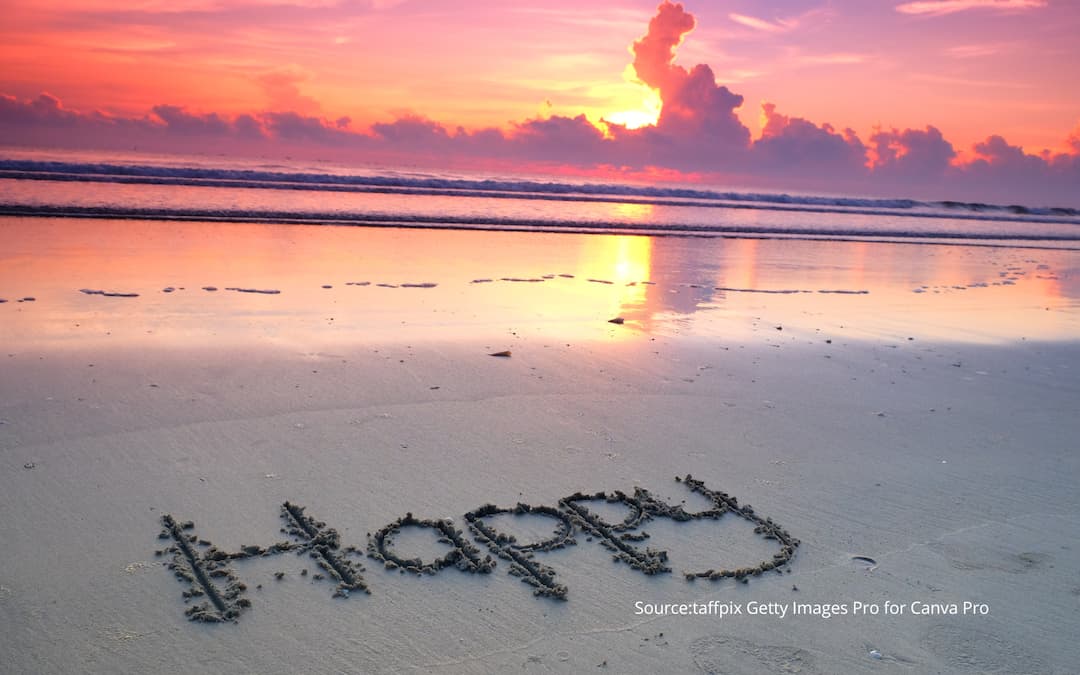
<point>970,650</point>
<point>732,656</point>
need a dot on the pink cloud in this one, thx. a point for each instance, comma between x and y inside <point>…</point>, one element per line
<point>943,7</point>
<point>412,130</point>
<point>996,151</point>
<point>654,54</point>
<point>1009,173</point>
<point>46,109</point>
<point>762,24</point>
<point>179,121</point>
<point>293,127</point>
<point>694,106</point>
<point>911,153</point>
<point>560,139</point>
<point>794,145</point>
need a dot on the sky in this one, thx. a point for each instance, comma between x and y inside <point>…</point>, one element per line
<point>974,99</point>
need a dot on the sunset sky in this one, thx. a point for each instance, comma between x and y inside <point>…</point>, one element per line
<point>850,87</point>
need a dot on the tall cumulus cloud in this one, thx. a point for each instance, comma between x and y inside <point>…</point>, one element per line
<point>694,106</point>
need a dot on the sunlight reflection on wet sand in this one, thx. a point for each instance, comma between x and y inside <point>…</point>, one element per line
<point>389,284</point>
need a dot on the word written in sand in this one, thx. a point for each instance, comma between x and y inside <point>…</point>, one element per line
<point>216,593</point>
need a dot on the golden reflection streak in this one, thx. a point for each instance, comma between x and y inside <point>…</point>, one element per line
<point>641,213</point>
<point>623,260</point>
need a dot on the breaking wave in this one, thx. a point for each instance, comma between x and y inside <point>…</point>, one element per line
<point>683,210</point>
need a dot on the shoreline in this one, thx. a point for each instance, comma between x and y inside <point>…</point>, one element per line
<point>533,226</point>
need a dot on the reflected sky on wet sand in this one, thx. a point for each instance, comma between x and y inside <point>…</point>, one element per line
<point>391,284</point>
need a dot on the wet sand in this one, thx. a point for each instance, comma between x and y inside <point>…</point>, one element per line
<point>240,458</point>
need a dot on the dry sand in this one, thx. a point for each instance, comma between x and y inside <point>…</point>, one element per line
<point>952,466</point>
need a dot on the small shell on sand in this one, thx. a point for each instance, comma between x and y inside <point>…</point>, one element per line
<point>617,320</point>
<point>504,354</point>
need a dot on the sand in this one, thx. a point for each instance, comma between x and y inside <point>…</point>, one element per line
<point>299,463</point>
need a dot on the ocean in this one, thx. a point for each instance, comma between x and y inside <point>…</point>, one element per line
<point>179,188</point>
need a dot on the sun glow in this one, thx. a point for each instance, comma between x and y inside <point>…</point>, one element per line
<point>646,116</point>
<point>631,119</point>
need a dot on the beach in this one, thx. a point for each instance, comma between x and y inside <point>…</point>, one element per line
<point>903,413</point>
